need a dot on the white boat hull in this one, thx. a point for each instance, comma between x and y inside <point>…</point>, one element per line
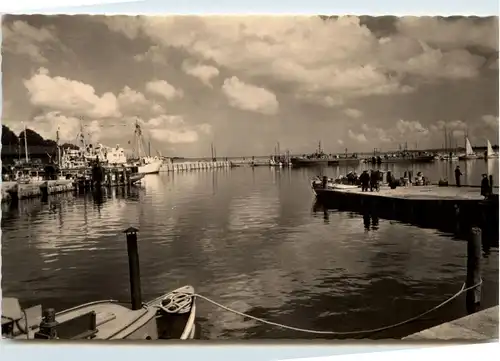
<point>117,322</point>
<point>150,168</point>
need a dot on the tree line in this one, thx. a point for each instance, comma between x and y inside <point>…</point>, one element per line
<point>38,148</point>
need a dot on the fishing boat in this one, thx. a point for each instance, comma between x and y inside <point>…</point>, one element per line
<point>146,163</point>
<point>489,154</point>
<point>319,158</point>
<point>170,316</point>
<point>469,152</point>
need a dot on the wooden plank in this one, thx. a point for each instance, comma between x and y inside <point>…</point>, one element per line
<point>482,325</point>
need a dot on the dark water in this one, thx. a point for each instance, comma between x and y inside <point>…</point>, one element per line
<point>247,238</point>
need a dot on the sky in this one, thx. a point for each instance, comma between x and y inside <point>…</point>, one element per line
<point>246,83</point>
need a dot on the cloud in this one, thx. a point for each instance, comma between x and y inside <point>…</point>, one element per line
<point>154,54</point>
<point>205,73</point>
<point>411,127</point>
<point>249,97</point>
<point>163,89</point>
<point>173,129</point>
<point>338,58</point>
<point>379,134</point>
<point>134,102</point>
<point>70,96</point>
<point>340,141</point>
<point>490,120</point>
<point>353,113</point>
<point>456,33</point>
<point>23,39</point>
<point>358,137</point>
<point>47,125</point>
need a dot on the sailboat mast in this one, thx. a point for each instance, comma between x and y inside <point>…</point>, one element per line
<point>445,140</point>
<point>25,144</point>
<point>58,149</point>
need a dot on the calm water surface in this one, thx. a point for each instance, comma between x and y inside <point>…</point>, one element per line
<point>250,240</point>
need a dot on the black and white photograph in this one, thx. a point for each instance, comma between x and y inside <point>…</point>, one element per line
<point>250,177</point>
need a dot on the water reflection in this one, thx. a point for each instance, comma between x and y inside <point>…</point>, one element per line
<point>244,237</point>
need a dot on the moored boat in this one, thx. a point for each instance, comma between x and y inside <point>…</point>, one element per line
<point>469,152</point>
<point>170,316</point>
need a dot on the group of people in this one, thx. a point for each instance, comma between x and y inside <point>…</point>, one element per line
<point>370,180</point>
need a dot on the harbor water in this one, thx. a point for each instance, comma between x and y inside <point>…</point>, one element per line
<point>249,239</point>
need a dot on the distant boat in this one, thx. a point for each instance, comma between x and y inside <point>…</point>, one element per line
<point>469,152</point>
<point>489,151</point>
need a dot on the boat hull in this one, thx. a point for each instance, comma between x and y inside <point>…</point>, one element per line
<point>114,321</point>
<point>309,162</point>
<point>150,168</point>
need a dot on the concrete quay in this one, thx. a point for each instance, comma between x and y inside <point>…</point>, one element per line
<point>479,326</point>
<point>188,166</point>
<point>13,191</point>
<point>449,209</point>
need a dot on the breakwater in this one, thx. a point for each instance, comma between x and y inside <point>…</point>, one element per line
<point>199,165</point>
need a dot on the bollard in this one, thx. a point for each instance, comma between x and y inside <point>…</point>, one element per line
<point>473,296</point>
<point>47,329</point>
<point>134,271</point>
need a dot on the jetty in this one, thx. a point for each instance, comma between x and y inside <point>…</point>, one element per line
<point>188,166</point>
<point>480,326</point>
<point>12,191</point>
<point>447,208</point>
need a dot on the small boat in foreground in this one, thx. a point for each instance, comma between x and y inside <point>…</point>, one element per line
<point>170,316</point>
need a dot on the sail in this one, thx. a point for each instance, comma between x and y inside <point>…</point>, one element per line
<point>489,149</point>
<point>468,147</point>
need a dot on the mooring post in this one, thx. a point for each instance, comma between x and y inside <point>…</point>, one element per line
<point>473,295</point>
<point>134,271</point>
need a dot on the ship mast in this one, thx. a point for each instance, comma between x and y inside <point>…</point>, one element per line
<point>25,144</point>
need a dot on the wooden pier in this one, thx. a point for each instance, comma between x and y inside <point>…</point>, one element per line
<point>188,166</point>
<point>450,209</point>
<point>480,326</point>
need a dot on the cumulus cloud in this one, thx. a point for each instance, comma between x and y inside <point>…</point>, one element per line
<point>205,73</point>
<point>154,54</point>
<point>490,120</point>
<point>132,102</point>
<point>457,33</point>
<point>47,125</point>
<point>338,58</point>
<point>250,97</point>
<point>378,134</point>
<point>353,113</point>
<point>164,89</point>
<point>411,127</point>
<point>358,137</point>
<point>71,96</point>
<point>23,39</point>
<point>174,129</point>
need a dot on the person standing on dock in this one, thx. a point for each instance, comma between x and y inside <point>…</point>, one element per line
<point>365,180</point>
<point>485,186</point>
<point>458,174</point>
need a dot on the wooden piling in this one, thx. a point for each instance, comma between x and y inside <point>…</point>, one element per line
<point>134,272</point>
<point>473,296</point>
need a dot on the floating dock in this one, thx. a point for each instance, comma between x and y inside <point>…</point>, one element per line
<point>188,166</point>
<point>450,209</point>
<point>480,326</point>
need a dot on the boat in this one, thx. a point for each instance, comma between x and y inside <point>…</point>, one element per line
<point>170,316</point>
<point>489,154</point>
<point>469,152</point>
<point>146,163</point>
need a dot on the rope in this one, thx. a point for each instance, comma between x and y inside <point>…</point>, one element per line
<point>462,290</point>
<point>176,302</point>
